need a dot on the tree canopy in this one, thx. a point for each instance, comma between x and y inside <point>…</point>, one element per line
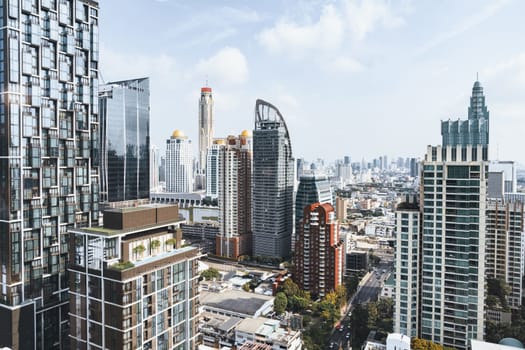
<point>210,274</point>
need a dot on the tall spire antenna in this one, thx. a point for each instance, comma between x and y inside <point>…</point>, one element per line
<point>477,76</point>
<point>206,80</point>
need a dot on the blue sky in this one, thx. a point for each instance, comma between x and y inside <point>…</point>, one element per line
<point>351,77</point>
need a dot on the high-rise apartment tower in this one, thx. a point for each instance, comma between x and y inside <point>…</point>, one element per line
<point>235,200</point>
<point>179,163</point>
<point>49,158</point>
<point>319,251</point>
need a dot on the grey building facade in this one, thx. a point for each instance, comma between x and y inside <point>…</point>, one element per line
<point>272,183</point>
<point>124,135</point>
<point>49,158</point>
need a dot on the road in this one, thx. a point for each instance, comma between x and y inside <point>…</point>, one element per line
<point>368,290</point>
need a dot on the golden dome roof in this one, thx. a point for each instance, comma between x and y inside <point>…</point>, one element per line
<point>177,134</point>
<point>246,133</point>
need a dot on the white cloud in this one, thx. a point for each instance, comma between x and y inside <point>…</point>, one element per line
<point>514,68</point>
<point>286,36</point>
<point>345,65</point>
<point>349,18</point>
<point>364,16</point>
<point>466,24</point>
<point>119,66</point>
<point>227,66</point>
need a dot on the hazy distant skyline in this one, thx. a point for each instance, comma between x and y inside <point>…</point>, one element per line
<point>358,78</point>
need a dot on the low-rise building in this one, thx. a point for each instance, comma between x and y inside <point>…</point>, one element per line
<point>267,331</point>
<point>236,303</point>
<point>132,285</point>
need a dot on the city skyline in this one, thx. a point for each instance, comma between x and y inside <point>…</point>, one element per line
<point>374,72</point>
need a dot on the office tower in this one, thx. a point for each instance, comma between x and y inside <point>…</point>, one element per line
<point>124,136</point>
<point>451,248</point>
<point>154,168</point>
<point>407,267</point>
<point>473,131</point>
<point>132,285</point>
<point>273,179</point>
<point>212,169</point>
<point>312,189</point>
<point>414,167</point>
<point>49,158</point>
<point>347,160</point>
<point>205,126</point>
<point>235,200</point>
<point>504,250</point>
<point>179,163</point>
<point>319,251</point>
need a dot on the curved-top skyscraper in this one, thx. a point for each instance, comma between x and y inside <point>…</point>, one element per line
<point>272,183</point>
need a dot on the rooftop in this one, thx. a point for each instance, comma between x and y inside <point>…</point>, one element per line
<point>235,301</point>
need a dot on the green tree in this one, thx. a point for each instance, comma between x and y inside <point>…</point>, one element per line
<point>359,325</point>
<point>210,274</point>
<point>290,288</point>
<point>351,284</point>
<point>246,287</point>
<point>280,302</point>
<point>372,315</point>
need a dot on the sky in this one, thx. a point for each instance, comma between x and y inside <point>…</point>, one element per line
<point>350,77</point>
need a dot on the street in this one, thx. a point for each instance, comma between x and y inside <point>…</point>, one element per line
<point>368,290</point>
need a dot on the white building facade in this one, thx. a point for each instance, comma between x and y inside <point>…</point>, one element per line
<point>179,163</point>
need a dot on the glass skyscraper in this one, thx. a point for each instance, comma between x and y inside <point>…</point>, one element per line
<point>124,135</point>
<point>49,159</point>
<point>446,259</point>
<point>273,178</point>
<point>312,189</point>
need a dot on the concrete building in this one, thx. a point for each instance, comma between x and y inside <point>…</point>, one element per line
<point>235,197</point>
<point>406,269</point>
<point>212,169</point>
<point>179,163</point>
<point>132,285</point>
<point>341,208</point>
<point>236,303</point>
<point>452,236</point>
<point>124,135</point>
<point>454,184</point>
<point>273,181</point>
<point>397,341</point>
<point>319,251</point>
<point>266,331</point>
<point>206,129</point>
<point>49,161</point>
<point>312,189</point>
<point>504,251</point>
<point>356,262</point>
<point>154,169</point>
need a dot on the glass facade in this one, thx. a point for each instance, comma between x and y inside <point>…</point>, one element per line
<point>273,177</point>
<point>49,179</point>
<point>312,189</point>
<point>124,119</point>
<point>473,131</point>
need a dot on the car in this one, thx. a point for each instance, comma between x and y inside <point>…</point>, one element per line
<point>347,335</point>
<point>331,345</point>
<point>341,328</point>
